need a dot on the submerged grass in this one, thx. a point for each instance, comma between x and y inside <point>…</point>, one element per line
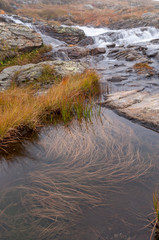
<point>20,108</point>
<point>81,167</point>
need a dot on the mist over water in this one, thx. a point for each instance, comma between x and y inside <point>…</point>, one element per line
<point>88,180</point>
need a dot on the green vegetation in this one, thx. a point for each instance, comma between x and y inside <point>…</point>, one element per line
<point>155,222</point>
<point>48,75</point>
<point>20,108</point>
<point>35,56</point>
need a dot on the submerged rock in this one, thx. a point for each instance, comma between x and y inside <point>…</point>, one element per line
<point>30,73</point>
<point>111,45</point>
<point>127,54</point>
<point>16,38</point>
<point>116,79</point>
<point>136,105</point>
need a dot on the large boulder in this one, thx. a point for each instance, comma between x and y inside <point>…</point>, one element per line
<point>70,35</point>
<point>16,38</point>
<point>30,73</point>
<point>86,41</point>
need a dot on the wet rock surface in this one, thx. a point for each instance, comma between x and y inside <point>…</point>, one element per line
<point>16,38</point>
<point>137,105</point>
<point>126,54</point>
<point>127,60</point>
<point>29,73</point>
<point>77,52</point>
<point>70,35</point>
<point>86,41</point>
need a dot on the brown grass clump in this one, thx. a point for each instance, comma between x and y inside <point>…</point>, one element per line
<point>34,56</point>
<point>143,68</point>
<point>20,108</point>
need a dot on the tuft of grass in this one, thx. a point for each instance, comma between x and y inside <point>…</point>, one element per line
<point>48,75</point>
<point>155,222</point>
<point>156,205</point>
<point>35,56</point>
<point>143,68</point>
<point>20,108</point>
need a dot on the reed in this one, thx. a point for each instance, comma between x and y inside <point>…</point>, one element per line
<point>155,222</point>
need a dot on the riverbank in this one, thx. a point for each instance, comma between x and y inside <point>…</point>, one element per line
<point>20,109</point>
<point>85,179</point>
<point>120,14</point>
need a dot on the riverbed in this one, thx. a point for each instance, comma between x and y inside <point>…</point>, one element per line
<point>92,179</point>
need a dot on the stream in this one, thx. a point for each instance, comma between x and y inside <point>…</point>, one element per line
<point>91,180</point>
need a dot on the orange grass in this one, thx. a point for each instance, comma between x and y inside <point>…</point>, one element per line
<point>21,108</point>
<point>83,16</point>
<point>143,68</point>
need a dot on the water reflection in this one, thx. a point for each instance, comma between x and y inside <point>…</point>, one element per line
<point>88,181</point>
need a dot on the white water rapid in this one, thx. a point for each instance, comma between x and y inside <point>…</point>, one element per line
<point>104,36</point>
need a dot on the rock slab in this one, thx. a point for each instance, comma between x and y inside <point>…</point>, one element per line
<point>31,72</point>
<point>136,105</point>
<point>17,38</point>
<point>70,35</point>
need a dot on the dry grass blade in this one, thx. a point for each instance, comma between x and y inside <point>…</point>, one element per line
<point>21,109</point>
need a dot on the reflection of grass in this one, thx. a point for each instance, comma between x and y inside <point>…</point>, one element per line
<point>21,109</point>
<point>85,165</point>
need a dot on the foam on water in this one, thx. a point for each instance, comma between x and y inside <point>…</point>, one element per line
<point>104,36</point>
<point>46,39</point>
<point>91,31</point>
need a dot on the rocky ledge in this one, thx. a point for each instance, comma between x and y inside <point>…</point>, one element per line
<point>70,35</point>
<point>16,38</point>
<point>76,53</point>
<point>136,105</point>
<point>30,73</point>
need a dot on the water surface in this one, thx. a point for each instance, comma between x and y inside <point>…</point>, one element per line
<point>94,180</point>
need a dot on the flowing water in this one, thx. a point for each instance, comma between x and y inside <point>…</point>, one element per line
<point>90,180</point>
